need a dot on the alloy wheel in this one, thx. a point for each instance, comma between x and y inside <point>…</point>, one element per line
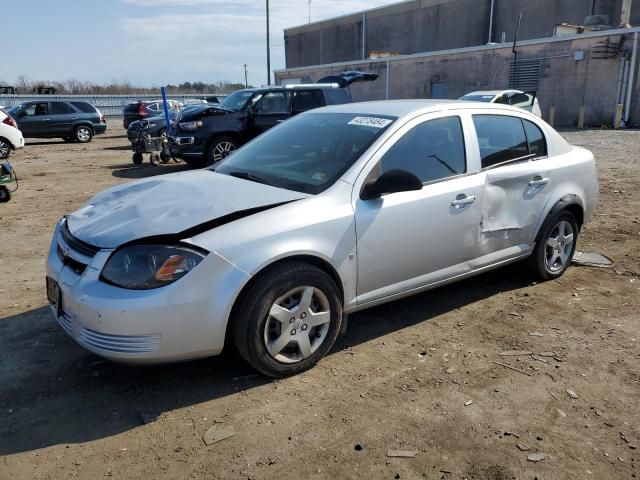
<point>83,134</point>
<point>297,324</point>
<point>4,149</point>
<point>222,151</point>
<point>559,246</point>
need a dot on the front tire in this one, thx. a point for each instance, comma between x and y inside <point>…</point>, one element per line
<point>287,319</point>
<point>82,134</point>
<point>219,149</point>
<point>555,247</point>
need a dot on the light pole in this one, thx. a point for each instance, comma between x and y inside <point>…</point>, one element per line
<point>268,49</point>
<point>309,11</point>
<point>246,83</point>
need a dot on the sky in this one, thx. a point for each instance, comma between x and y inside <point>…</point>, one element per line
<point>153,42</point>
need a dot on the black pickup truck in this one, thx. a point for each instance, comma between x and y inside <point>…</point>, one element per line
<point>207,135</point>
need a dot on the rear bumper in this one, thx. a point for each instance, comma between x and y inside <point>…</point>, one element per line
<point>99,128</point>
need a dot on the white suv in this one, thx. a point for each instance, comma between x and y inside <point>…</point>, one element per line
<point>10,136</point>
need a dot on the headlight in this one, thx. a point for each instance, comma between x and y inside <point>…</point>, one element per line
<point>142,267</point>
<point>190,126</point>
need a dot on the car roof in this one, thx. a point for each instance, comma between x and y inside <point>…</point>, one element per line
<point>399,108</point>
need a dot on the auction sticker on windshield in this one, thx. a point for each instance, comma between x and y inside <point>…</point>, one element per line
<point>375,122</point>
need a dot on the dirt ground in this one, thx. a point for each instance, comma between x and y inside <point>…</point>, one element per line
<point>418,374</point>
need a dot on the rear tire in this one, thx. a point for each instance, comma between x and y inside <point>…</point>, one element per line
<point>220,148</point>
<point>82,134</point>
<point>555,247</point>
<point>287,319</point>
<point>5,149</point>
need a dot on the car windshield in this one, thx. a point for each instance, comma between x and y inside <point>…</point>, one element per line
<point>236,101</point>
<point>307,153</point>
<point>13,110</point>
<point>478,98</point>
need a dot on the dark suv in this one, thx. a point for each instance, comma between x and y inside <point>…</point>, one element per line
<point>73,121</point>
<point>207,135</point>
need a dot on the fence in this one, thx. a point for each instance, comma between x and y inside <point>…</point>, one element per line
<point>109,105</point>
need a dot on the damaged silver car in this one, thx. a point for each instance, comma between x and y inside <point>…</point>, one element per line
<point>336,210</point>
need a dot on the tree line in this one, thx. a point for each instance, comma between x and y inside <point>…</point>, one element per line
<point>72,86</point>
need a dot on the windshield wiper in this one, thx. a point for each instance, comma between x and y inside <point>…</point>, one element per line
<point>249,176</point>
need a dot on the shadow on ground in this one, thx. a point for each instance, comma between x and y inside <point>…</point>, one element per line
<point>54,392</point>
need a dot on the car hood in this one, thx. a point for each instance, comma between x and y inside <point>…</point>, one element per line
<point>170,205</point>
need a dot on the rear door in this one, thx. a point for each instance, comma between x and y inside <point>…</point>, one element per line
<point>518,183</point>
<point>304,100</point>
<point>271,109</point>
<point>62,117</point>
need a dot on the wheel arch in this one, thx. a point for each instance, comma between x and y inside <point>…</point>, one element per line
<point>570,202</point>
<point>83,123</point>
<point>310,259</point>
<point>11,145</point>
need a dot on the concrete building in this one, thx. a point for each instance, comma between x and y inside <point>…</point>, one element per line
<point>440,49</point>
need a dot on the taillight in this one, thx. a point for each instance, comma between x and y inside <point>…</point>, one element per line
<point>102,120</point>
<point>141,111</point>
<point>10,121</point>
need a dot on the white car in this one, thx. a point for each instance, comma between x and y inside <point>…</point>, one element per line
<point>335,210</point>
<point>10,136</point>
<point>516,98</point>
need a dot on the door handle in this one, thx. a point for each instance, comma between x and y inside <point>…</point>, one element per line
<point>462,200</point>
<point>47,119</point>
<point>538,181</point>
<point>74,118</point>
<point>279,121</point>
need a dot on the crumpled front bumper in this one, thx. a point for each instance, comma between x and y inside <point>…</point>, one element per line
<point>181,321</point>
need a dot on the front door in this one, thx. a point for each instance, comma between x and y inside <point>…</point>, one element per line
<point>34,119</point>
<point>271,109</point>
<point>518,183</point>
<point>411,239</point>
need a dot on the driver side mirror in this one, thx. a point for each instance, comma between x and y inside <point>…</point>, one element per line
<point>391,182</point>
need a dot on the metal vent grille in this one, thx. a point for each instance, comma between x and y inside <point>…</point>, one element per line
<point>524,75</point>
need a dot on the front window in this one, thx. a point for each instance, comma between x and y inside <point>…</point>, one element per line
<point>308,153</point>
<point>236,101</point>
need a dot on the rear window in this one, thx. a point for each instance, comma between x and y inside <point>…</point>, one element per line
<point>502,138</point>
<point>132,107</point>
<point>84,107</point>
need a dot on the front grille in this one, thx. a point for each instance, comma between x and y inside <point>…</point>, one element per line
<point>76,244</point>
<point>72,263</point>
<point>119,343</point>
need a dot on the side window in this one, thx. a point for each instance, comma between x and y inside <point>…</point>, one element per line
<point>60,108</point>
<point>502,99</point>
<point>306,100</point>
<point>431,150</point>
<point>336,96</point>
<point>273,102</point>
<point>522,100</point>
<point>535,137</point>
<point>37,109</point>
<point>501,138</point>
<point>84,107</point>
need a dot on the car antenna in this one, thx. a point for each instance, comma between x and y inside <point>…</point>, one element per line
<point>515,52</point>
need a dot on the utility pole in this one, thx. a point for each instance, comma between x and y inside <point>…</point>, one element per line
<point>309,11</point>
<point>246,83</point>
<point>268,49</point>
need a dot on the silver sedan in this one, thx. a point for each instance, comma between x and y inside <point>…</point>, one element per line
<point>336,210</point>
